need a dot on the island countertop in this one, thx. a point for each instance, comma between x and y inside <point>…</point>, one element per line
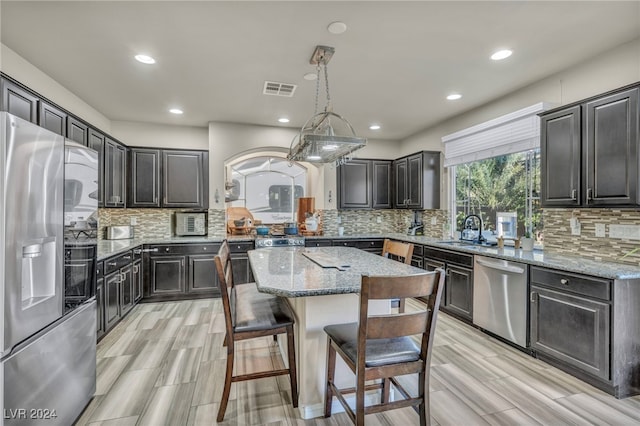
<point>291,272</point>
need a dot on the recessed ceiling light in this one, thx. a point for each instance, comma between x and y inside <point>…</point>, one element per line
<point>501,54</point>
<point>454,96</point>
<point>337,27</point>
<point>374,127</point>
<point>283,120</point>
<point>145,59</point>
<point>176,111</point>
<point>310,76</point>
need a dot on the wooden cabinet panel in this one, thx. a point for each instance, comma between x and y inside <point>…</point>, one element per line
<point>166,275</point>
<point>185,179</point>
<point>589,152</point>
<point>202,275</point>
<point>611,142</point>
<point>137,281</point>
<point>112,299</point>
<point>561,153</point>
<point>354,185</point>
<point>417,181</point>
<point>459,291</point>
<point>115,160</point>
<point>382,189</point>
<point>126,290</point>
<point>572,329</point>
<point>77,131</point>
<point>144,173</point>
<point>100,328</point>
<point>96,141</point>
<point>52,118</point>
<point>19,101</point>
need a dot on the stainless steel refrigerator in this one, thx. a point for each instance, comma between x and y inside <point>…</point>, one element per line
<point>47,361</point>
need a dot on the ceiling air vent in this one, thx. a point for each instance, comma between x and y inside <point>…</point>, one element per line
<point>279,89</point>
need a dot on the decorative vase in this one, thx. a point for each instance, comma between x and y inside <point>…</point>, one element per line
<point>526,243</point>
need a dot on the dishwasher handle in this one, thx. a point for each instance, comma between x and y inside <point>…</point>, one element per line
<point>500,267</point>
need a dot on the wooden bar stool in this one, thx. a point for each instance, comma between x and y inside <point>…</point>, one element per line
<point>380,346</point>
<point>250,314</point>
<point>401,252</point>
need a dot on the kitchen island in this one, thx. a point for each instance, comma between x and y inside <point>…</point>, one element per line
<point>320,295</point>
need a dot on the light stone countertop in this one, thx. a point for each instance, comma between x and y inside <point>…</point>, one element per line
<point>568,263</point>
<point>286,272</point>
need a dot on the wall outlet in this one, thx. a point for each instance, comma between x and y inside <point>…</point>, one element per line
<point>575,226</point>
<point>433,220</point>
<point>379,219</point>
<point>601,230</point>
<point>339,219</point>
<point>628,232</point>
<point>133,220</point>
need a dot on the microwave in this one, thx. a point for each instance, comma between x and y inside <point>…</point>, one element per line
<point>190,223</point>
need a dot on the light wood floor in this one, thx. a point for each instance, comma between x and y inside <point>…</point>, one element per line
<point>164,364</point>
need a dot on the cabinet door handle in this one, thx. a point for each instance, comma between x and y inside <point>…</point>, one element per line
<point>135,269</point>
<point>574,194</point>
<point>182,262</point>
<point>564,281</point>
<point>589,194</point>
<point>532,297</point>
<point>167,249</point>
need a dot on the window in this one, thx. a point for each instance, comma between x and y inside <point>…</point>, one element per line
<point>503,191</point>
<point>269,187</point>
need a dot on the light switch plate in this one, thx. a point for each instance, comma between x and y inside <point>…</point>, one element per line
<point>628,232</point>
<point>575,230</point>
<point>433,220</point>
<point>601,230</point>
<point>133,220</point>
<point>379,219</point>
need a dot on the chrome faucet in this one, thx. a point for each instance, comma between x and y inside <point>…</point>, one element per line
<point>468,225</point>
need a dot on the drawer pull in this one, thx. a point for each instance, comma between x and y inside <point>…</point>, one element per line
<point>137,251</point>
<point>564,281</point>
<point>112,263</point>
<point>126,257</point>
<point>167,249</point>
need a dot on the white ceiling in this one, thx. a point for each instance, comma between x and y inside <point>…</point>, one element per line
<point>394,65</point>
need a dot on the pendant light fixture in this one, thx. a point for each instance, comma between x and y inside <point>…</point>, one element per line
<point>326,137</point>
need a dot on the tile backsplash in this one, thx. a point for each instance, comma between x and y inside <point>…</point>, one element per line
<point>155,223</point>
<point>558,238</point>
<point>382,221</point>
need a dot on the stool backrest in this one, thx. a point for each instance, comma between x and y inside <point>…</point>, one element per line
<point>428,285</point>
<point>225,281</point>
<point>398,250</point>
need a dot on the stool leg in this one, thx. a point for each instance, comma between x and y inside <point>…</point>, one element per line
<point>293,377</point>
<point>331,367</point>
<point>423,408</point>
<point>401,306</point>
<point>385,390</point>
<point>227,382</point>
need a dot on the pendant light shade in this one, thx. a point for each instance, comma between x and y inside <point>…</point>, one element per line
<point>326,137</point>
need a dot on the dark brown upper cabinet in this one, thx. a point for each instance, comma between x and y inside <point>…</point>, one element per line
<point>365,184</point>
<point>77,131</point>
<point>168,178</point>
<point>96,141</point>
<point>589,152</point>
<point>185,179</point>
<point>417,181</point>
<point>52,118</point>
<point>115,166</point>
<point>19,101</point>
<point>144,170</point>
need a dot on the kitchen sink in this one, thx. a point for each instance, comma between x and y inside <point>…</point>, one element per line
<point>467,243</point>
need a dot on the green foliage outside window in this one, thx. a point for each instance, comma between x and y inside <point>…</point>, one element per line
<point>509,183</point>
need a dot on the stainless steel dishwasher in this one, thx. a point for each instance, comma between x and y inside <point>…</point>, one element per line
<point>500,298</point>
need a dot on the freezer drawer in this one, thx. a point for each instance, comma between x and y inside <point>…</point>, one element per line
<point>51,378</point>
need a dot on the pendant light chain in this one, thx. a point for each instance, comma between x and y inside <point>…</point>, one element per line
<point>326,84</point>
<point>315,111</point>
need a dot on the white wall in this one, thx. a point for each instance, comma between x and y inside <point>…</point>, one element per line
<point>616,68</point>
<point>160,135</point>
<point>20,69</point>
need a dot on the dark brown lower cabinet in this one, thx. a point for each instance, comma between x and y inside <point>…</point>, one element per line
<point>100,307</point>
<point>180,271</point>
<point>137,280</point>
<point>126,290</point>
<point>572,329</point>
<point>458,288</point>
<point>242,272</point>
<point>111,300</point>
<point>202,275</point>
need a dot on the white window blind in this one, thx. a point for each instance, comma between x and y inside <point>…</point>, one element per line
<point>515,132</point>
